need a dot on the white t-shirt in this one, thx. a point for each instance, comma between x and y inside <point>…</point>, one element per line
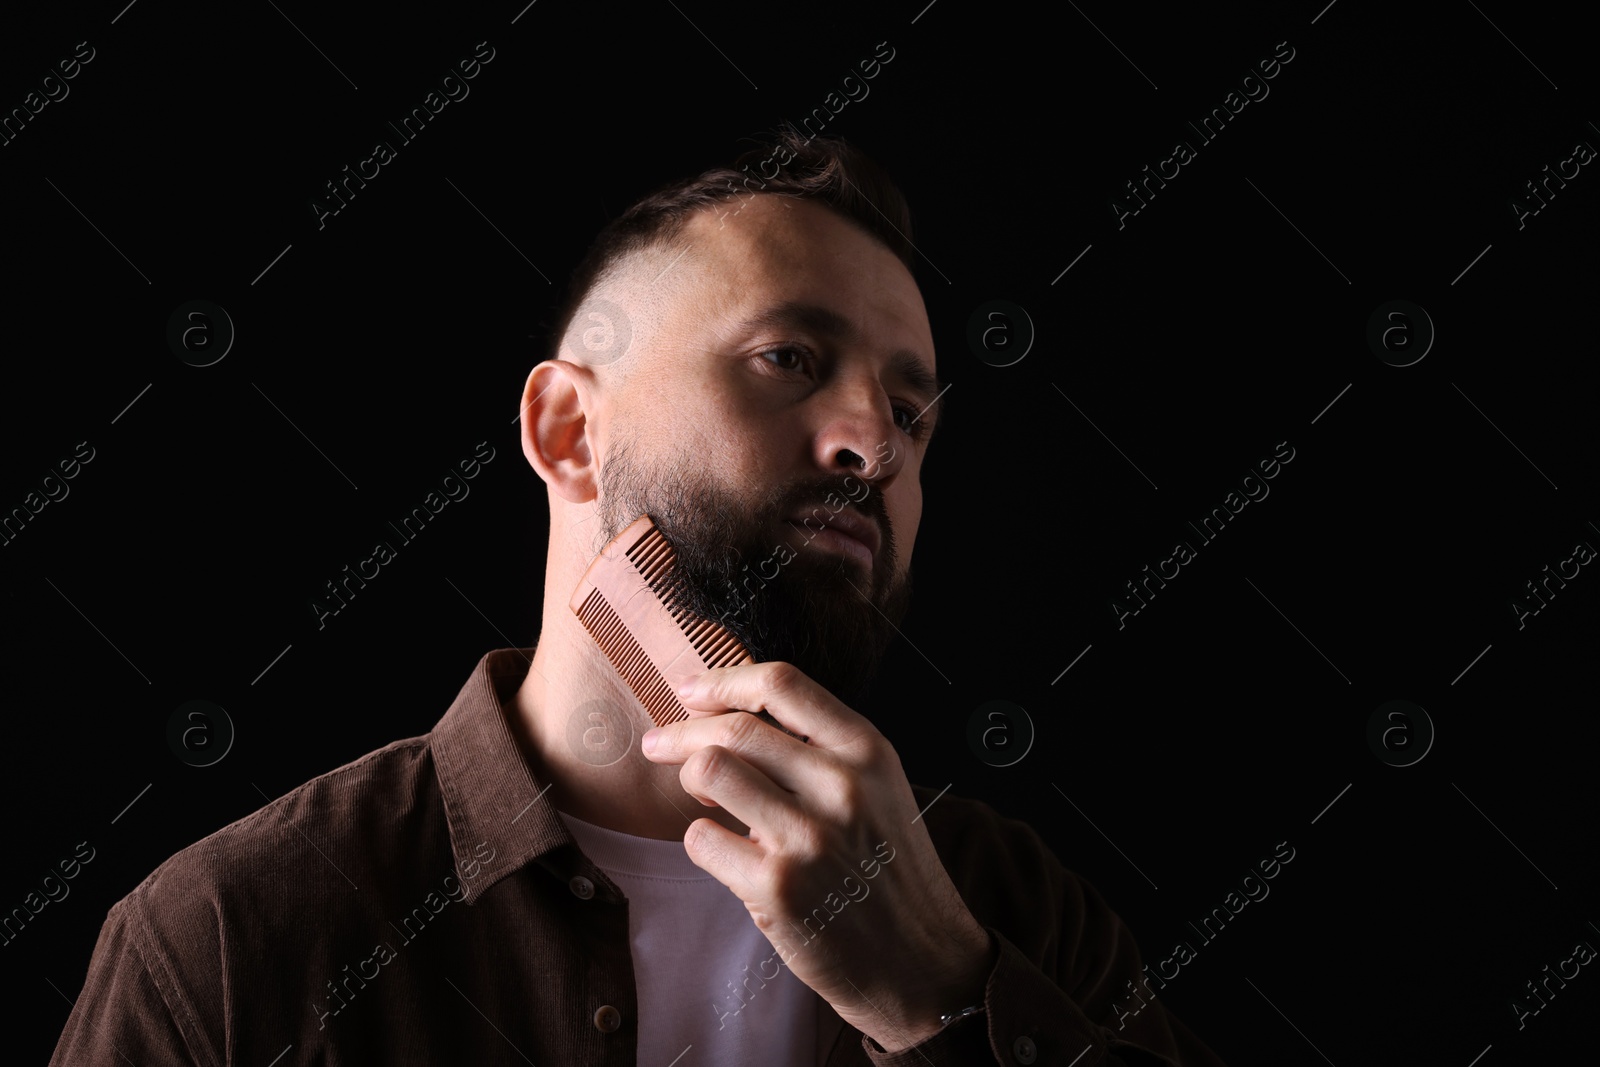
<point>710,985</point>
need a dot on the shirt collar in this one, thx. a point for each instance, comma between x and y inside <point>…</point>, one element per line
<point>498,815</point>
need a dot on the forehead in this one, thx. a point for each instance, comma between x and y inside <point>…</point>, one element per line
<point>734,262</point>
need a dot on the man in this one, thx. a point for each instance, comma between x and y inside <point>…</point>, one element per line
<point>546,879</point>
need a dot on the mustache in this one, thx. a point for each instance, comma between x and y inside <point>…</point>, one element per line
<point>823,495</point>
<point>801,607</point>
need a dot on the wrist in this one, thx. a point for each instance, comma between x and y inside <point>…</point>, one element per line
<point>966,988</point>
<point>960,994</point>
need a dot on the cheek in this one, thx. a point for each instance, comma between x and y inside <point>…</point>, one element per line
<point>906,515</point>
<point>759,446</point>
<point>679,421</point>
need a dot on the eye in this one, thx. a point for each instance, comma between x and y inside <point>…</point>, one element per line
<point>792,357</point>
<point>795,359</point>
<point>913,426</point>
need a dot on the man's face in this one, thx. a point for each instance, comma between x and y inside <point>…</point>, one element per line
<point>755,433</point>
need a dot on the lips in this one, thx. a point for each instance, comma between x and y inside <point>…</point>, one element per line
<point>853,525</point>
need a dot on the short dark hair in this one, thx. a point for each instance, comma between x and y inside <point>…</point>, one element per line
<point>826,169</point>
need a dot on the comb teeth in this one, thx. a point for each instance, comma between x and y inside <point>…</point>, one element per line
<point>653,557</point>
<point>631,662</point>
<point>632,602</point>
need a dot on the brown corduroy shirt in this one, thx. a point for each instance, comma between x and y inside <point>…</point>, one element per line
<point>426,905</point>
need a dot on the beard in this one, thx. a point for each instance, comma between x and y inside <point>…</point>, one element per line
<point>821,611</point>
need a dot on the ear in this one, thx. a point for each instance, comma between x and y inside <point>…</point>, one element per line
<point>556,404</point>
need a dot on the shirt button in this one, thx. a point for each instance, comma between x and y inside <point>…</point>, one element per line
<point>581,887</point>
<point>1023,1049</point>
<point>607,1018</point>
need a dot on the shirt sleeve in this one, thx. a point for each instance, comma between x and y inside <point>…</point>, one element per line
<point>130,1010</point>
<point>1074,994</point>
<point>1028,1019</point>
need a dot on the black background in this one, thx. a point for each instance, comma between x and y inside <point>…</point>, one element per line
<point>1222,319</point>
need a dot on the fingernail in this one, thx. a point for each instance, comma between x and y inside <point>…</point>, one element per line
<point>649,740</point>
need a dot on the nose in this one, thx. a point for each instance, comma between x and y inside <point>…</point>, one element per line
<point>859,435</point>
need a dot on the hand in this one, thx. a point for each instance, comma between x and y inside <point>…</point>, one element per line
<point>835,872</point>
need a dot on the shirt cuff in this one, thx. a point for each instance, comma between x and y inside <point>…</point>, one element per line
<point>1026,1019</point>
<point>962,1043</point>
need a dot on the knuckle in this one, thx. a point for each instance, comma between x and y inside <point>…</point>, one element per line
<point>739,730</point>
<point>847,791</point>
<point>782,677</point>
<point>806,843</point>
<point>880,756</point>
<point>707,766</point>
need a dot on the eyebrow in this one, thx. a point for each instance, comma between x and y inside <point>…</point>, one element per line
<point>903,363</point>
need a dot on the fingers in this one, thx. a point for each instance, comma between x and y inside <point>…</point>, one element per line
<point>762,746</point>
<point>784,691</point>
<point>716,776</point>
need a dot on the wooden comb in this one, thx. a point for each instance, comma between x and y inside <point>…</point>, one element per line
<point>629,604</point>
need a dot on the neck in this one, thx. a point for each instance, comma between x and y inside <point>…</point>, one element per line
<point>579,726</point>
